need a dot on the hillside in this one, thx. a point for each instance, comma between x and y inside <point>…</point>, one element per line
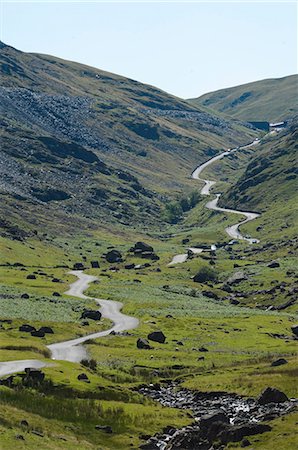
<point>269,100</point>
<point>79,142</point>
<point>269,185</point>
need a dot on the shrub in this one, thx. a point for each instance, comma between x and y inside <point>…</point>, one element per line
<point>205,274</point>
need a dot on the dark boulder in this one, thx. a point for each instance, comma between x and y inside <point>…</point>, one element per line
<point>114,256</point>
<point>37,333</point>
<point>83,377</point>
<point>78,266</point>
<point>227,288</point>
<point>143,344</point>
<point>294,329</point>
<point>207,420</point>
<point>8,382</point>
<point>185,241</point>
<point>143,247</point>
<point>56,280</point>
<point>272,395</point>
<point>203,349</point>
<point>56,294</point>
<point>27,328</point>
<point>129,266</point>
<point>234,301</point>
<point>279,362</point>
<point>105,428</point>
<point>157,336</point>
<point>47,330</point>
<point>91,314</point>
<point>237,432</point>
<point>273,264</point>
<point>25,296</point>
<point>210,294</point>
<point>95,264</point>
<point>34,374</point>
<point>31,277</point>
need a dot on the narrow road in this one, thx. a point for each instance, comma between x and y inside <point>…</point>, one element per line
<point>233,230</point>
<point>73,350</point>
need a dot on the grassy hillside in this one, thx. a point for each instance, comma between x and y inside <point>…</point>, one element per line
<point>88,162</point>
<point>269,100</point>
<point>269,185</point>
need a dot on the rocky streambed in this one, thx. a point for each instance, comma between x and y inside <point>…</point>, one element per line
<point>219,417</point>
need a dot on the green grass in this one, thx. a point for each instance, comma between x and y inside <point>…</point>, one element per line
<point>270,100</point>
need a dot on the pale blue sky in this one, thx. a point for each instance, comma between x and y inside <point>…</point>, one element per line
<point>184,48</point>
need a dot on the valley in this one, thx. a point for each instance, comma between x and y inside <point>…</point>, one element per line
<point>132,308</point>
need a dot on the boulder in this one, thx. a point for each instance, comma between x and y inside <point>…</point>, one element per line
<point>27,328</point>
<point>129,266</point>
<point>294,329</point>
<point>105,428</point>
<point>95,264</point>
<point>279,362</point>
<point>273,264</point>
<point>114,256</point>
<point>34,374</point>
<point>143,344</point>
<point>25,296</point>
<point>207,420</point>
<point>203,349</point>
<point>236,278</point>
<point>56,294</point>
<point>237,432</point>
<point>157,336</point>
<point>272,395</point>
<point>83,377</point>
<point>234,301</point>
<point>47,330</point>
<point>78,266</point>
<point>210,294</point>
<point>56,280</point>
<point>31,277</point>
<point>227,288</point>
<point>143,247</point>
<point>37,333</point>
<point>185,241</point>
<point>91,314</point>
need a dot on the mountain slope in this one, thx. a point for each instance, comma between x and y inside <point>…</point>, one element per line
<point>269,185</point>
<point>77,141</point>
<point>266,100</point>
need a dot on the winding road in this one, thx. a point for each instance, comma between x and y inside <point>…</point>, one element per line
<point>233,230</point>
<point>73,350</point>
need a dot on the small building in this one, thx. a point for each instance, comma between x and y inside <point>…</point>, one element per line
<point>278,125</point>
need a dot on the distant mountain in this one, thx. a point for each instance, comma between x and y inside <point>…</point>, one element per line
<point>267,100</point>
<point>80,145</point>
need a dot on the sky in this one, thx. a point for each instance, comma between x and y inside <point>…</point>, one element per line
<point>185,48</point>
